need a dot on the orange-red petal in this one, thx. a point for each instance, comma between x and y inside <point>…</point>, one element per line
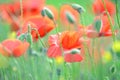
<point>54,51</point>
<point>73,58</point>
<point>21,49</point>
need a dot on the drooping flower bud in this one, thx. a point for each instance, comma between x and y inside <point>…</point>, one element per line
<point>48,13</point>
<point>78,7</point>
<point>43,13</point>
<point>70,17</point>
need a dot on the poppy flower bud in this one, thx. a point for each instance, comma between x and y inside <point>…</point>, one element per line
<point>43,13</point>
<point>70,17</point>
<point>78,7</point>
<point>49,13</point>
<point>97,25</point>
<point>74,51</point>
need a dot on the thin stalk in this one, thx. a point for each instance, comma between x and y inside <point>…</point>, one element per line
<point>21,18</point>
<point>55,25</point>
<point>100,61</point>
<point>93,58</point>
<point>44,45</point>
<point>118,21</point>
<point>111,24</point>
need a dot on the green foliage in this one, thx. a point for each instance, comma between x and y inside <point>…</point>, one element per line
<point>4,30</point>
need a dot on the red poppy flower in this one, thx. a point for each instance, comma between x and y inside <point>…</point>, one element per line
<point>73,57</point>
<point>70,40</point>
<point>105,29</point>
<point>12,12</point>
<point>32,7</point>
<point>68,8</point>
<point>65,42</point>
<point>14,48</point>
<point>54,50</point>
<point>43,25</point>
<point>98,7</point>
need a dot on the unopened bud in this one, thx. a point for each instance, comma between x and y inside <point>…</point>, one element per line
<point>98,25</point>
<point>43,13</point>
<point>70,17</point>
<point>78,7</point>
<point>49,13</point>
<point>75,51</point>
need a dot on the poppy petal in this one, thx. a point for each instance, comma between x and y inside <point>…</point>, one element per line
<point>73,58</point>
<point>18,51</point>
<point>54,51</point>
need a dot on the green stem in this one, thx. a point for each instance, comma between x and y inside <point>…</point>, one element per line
<point>109,18</point>
<point>55,26</point>
<point>44,45</point>
<point>21,9</point>
<point>118,21</point>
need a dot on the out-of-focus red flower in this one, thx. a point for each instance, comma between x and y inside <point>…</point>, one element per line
<point>43,25</point>
<point>98,7</point>
<point>105,29</point>
<point>32,7</point>
<point>11,13</point>
<point>62,45</point>
<point>13,47</point>
<point>68,8</point>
